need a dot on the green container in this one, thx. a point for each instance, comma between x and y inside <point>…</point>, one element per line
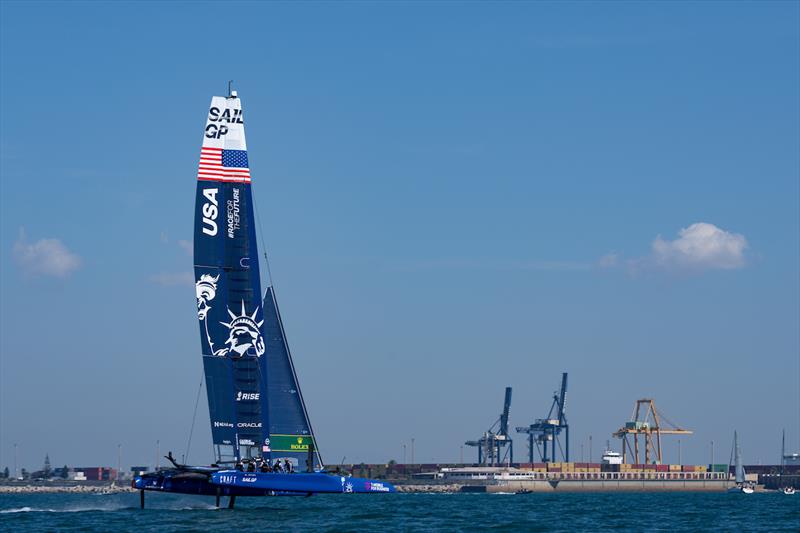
<point>718,468</point>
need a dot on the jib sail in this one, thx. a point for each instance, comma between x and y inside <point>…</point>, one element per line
<point>291,435</point>
<point>228,289</point>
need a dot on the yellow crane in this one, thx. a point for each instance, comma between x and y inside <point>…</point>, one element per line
<point>646,421</point>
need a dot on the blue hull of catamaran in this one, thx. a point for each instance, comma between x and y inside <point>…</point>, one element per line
<point>188,483</point>
<point>315,483</point>
<point>236,483</point>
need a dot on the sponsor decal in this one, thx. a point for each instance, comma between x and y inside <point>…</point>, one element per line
<point>246,442</point>
<point>217,129</point>
<point>218,424</point>
<point>227,479</point>
<point>251,425</point>
<point>376,486</point>
<point>210,210</point>
<point>291,443</point>
<point>348,487</point>
<point>233,214</point>
<point>245,396</point>
<point>249,479</point>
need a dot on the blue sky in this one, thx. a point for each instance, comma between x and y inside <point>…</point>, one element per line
<point>455,198</point>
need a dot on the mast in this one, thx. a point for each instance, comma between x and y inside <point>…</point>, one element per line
<point>738,467</point>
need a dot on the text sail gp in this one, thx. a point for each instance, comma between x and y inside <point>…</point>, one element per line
<point>228,289</point>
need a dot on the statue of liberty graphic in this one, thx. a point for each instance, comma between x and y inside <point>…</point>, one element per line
<point>244,332</point>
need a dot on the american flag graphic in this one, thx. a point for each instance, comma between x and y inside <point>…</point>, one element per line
<point>217,164</point>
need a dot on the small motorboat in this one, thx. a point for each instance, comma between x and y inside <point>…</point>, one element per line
<point>742,488</point>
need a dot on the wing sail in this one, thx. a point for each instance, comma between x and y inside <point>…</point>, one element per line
<point>228,288</point>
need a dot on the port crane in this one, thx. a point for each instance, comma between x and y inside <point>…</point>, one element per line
<point>495,446</point>
<point>547,430</point>
<point>646,421</point>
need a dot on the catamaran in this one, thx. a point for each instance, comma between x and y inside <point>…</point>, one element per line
<point>263,440</point>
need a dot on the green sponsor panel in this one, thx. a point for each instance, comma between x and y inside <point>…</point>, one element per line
<point>290,443</point>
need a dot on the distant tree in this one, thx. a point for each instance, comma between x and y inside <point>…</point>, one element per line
<point>47,472</point>
<point>392,462</point>
<point>6,473</point>
<point>65,472</point>
<point>24,474</point>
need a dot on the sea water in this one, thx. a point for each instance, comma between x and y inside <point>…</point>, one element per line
<point>404,512</point>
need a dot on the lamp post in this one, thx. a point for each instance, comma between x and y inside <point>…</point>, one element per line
<point>412,450</point>
<point>404,454</point>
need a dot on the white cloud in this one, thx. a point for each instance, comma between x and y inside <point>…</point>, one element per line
<point>186,246</point>
<point>609,260</point>
<point>701,246</point>
<point>45,257</point>
<point>171,279</point>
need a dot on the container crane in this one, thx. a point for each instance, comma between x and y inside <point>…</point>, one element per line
<point>545,430</point>
<point>646,421</point>
<point>496,447</point>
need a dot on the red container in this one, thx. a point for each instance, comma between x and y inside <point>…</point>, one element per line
<point>662,468</point>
